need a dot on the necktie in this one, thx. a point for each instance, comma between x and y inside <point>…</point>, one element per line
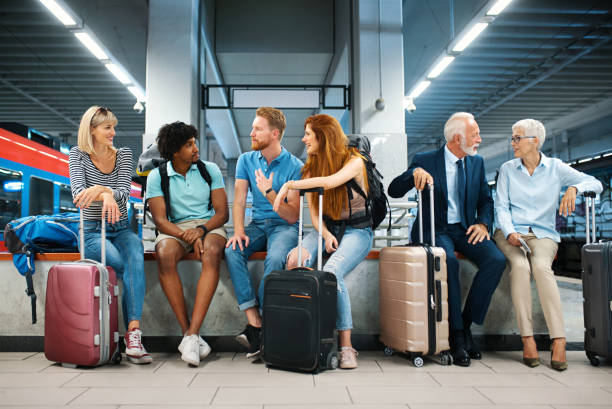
<point>461,191</point>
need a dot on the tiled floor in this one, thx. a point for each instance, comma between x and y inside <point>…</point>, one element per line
<point>229,380</point>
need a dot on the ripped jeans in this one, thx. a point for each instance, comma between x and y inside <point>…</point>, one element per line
<point>354,247</point>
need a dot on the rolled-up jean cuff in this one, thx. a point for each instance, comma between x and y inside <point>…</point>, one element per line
<point>246,305</point>
<point>130,319</point>
<point>345,329</point>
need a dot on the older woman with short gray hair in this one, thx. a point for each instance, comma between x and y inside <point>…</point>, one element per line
<point>527,198</point>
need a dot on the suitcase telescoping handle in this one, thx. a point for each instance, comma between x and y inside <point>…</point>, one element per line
<point>318,190</point>
<point>82,238</point>
<point>431,215</point>
<point>589,197</point>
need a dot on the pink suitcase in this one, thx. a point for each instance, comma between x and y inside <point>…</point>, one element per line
<point>414,298</point>
<point>81,311</point>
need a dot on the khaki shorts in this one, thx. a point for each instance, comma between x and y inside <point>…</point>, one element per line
<point>190,224</point>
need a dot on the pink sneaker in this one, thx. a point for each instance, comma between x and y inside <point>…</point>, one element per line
<point>348,358</point>
<point>134,350</point>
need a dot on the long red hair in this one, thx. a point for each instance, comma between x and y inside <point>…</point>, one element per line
<point>332,155</point>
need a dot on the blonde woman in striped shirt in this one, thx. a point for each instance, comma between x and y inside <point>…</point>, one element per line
<point>100,178</point>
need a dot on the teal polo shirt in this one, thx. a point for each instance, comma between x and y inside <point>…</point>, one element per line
<point>189,194</point>
<point>286,167</point>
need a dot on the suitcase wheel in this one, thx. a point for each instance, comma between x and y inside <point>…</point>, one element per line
<point>593,359</point>
<point>116,358</point>
<point>332,360</point>
<point>417,361</point>
<point>388,351</point>
<point>67,365</point>
<point>445,359</point>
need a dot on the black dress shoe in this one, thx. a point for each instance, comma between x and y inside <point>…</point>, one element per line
<point>470,346</point>
<point>460,357</point>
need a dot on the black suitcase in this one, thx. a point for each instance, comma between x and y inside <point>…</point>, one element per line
<point>299,313</point>
<point>597,291</point>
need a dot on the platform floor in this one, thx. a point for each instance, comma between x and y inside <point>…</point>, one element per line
<point>229,380</point>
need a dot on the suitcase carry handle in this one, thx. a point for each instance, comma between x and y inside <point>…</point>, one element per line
<point>82,238</point>
<point>320,191</point>
<point>589,197</point>
<point>431,215</point>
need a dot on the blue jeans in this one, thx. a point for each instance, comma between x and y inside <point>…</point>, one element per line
<point>273,235</point>
<point>125,254</point>
<point>353,248</point>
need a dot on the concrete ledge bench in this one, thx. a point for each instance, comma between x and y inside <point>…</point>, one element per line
<point>224,320</point>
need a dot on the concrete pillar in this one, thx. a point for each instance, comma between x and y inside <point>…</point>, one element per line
<point>173,77</point>
<point>378,72</point>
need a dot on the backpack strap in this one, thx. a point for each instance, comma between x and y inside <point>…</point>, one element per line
<point>353,185</point>
<point>30,290</point>
<point>165,186</point>
<point>206,176</point>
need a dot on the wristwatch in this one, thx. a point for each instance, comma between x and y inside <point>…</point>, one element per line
<point>204,229</point>
<point>268,191</point>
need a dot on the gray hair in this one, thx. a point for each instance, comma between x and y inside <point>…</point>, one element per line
<point>532,127</point>
<point>456,125</point>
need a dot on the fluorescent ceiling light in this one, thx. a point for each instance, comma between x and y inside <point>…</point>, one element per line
<point>498,7</point>
<point>91,45</point>
<point>419,89</point>
<point>137,93</point>
<point>118,72</point>
<point>441,66</point>
<point>59,12</point>
<point>470,36</point>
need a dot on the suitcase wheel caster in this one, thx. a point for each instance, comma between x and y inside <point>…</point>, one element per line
<point>445,359</point>
<point>593,359</point>
<point>116,358</point>
<point>388,351</point>
<point>332,360</point>
<point>67,365</point>
<point>418,361</point>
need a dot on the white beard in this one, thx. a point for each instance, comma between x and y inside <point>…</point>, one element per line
<point>469,150</point>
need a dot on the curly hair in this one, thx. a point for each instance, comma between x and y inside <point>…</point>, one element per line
<point>172,137</point>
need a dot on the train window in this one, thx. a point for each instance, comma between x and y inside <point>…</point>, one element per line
<point>66,204</point>
<point>10,196</point>
<point>41,196</point>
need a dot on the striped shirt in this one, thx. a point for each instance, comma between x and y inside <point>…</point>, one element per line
<point>84,174</point>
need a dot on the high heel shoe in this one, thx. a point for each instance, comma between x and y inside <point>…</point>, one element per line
<point>531,362</point>
<point>557,365</point>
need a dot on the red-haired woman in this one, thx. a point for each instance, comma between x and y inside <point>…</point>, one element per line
<point>332,165</point>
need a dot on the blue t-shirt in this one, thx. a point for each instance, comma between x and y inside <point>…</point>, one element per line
<point>189,195</point>
<point>286,167</point>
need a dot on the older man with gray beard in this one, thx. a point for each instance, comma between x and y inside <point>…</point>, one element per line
<point>464,216</point>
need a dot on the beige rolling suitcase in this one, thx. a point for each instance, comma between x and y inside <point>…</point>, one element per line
<point>414,298</point>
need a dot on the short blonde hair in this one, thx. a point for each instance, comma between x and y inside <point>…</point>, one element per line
<point>532,127</point>
<point>276,119</point>
<point>94,116</point>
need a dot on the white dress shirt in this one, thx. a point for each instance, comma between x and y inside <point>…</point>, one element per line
<point>450,162</point>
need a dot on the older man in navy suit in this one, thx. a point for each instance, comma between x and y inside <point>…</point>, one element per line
<point>463,218</point>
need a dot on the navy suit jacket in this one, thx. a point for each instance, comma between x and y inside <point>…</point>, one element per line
<point>479,206</point>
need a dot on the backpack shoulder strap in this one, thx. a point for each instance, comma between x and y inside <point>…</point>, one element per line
<point>206,176</point>
<point>165,186</point>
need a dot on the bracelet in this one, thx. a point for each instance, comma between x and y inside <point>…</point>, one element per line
<point>268,191</point>
<point>204,229</point>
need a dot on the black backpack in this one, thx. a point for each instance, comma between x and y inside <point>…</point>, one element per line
<point>165,184</point>
<point>376,200</point>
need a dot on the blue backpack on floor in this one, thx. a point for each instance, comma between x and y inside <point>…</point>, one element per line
<point>29,235</point>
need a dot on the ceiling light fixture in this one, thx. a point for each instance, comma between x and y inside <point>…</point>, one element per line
<point>118,73</point>
<point>498,7</point>
<point>59,12</point>
<point>137,92</point>
<point>91,45</point>
<point>441,66</point>
<point>418,90</point>
<point>470,36</point>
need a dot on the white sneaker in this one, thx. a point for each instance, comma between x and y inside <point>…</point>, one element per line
<point>204,348</point>
<point>190,349</point>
